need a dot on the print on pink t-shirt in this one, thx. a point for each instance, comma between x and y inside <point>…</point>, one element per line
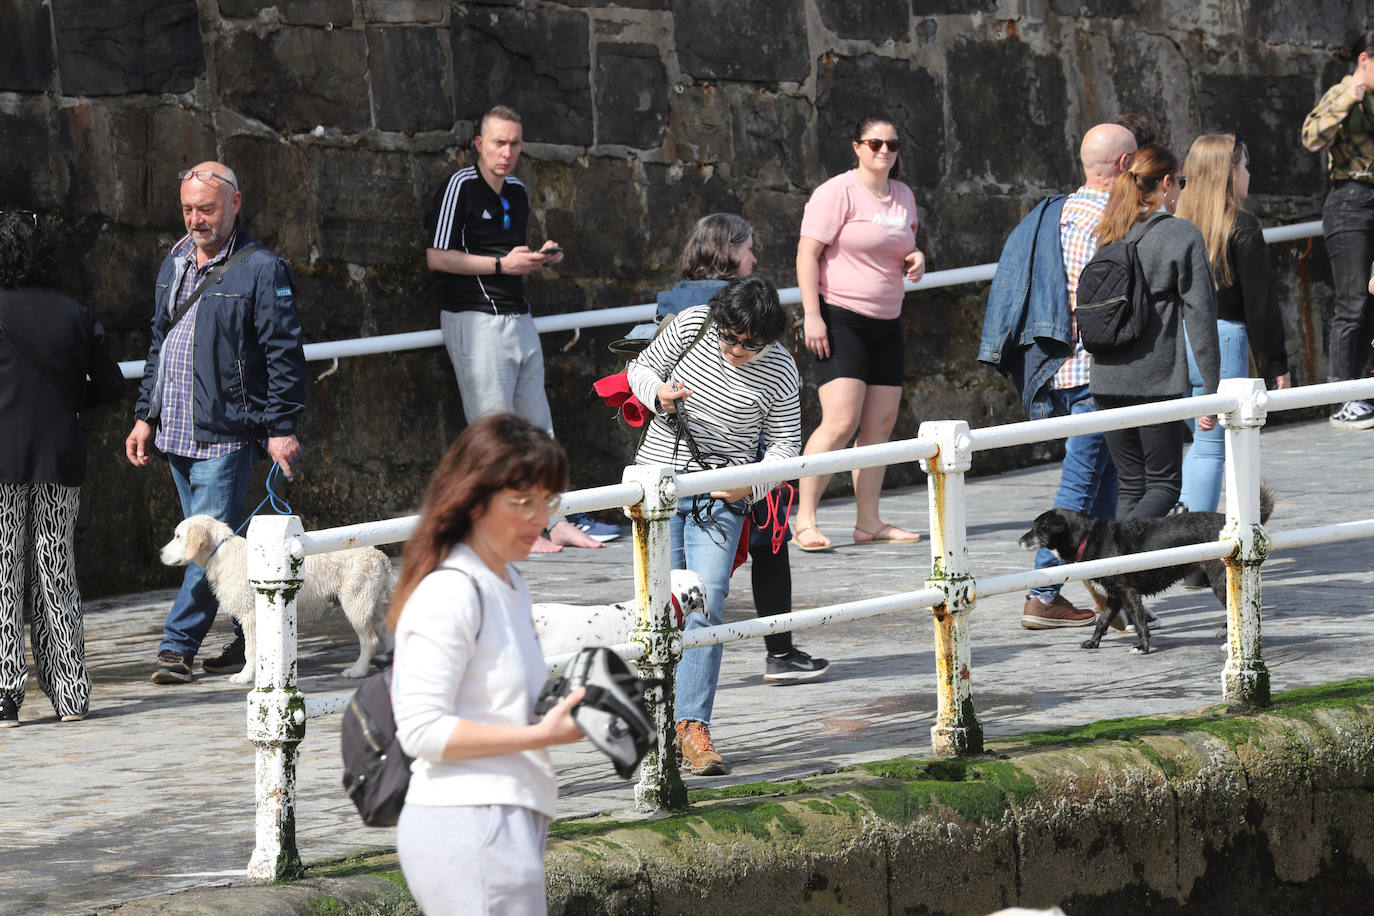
<point>866,238</point>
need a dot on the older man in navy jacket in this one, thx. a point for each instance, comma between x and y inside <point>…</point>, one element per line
<point>1030,335</point>
<point>224,381</point>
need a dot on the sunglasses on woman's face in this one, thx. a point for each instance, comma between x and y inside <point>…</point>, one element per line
<point>730,340</point>
<point>875,144</point>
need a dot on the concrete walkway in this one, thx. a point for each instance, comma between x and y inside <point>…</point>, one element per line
<point>154,791</point>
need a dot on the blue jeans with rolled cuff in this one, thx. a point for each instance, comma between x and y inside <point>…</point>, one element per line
<point>709,551</point>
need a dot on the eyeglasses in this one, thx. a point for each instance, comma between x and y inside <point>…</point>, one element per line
<point>1182,181</point>
<point>527,506</point>
<point>505,217</point>
<point>730,340</point>
<point>206,175</point>
<point>875,144</point>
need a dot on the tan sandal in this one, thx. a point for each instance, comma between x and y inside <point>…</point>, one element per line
<point>882,536</point>
<point>810,548</point>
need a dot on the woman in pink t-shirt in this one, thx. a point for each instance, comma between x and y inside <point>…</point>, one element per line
<point>858,243</point>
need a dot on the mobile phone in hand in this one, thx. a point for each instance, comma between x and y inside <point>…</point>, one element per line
<point>554,250</point>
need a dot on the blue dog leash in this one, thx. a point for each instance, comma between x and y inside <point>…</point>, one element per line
<point>279,505</point>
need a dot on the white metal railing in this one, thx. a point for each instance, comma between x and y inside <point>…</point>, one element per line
<point>630,314</point>
<point>277,712</point>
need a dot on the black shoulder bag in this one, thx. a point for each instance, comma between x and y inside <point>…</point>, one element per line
<point>212,277</point>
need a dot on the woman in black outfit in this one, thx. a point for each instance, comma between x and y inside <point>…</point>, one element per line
<point>54,361</point>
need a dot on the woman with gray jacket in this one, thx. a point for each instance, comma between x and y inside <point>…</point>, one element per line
<point>1173,256</point>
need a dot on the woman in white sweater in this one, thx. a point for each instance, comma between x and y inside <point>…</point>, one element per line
<point>717,379</point>
<point>468,672</point>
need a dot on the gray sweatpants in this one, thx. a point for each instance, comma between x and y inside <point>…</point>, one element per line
<point>474,859</point>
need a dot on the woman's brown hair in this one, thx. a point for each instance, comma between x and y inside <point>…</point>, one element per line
<point>710,250</point>
<point>1210,199</point>
<point>498,452</point>
<point>1136,193</point>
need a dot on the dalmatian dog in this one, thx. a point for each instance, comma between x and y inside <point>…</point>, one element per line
<point>565,628</point>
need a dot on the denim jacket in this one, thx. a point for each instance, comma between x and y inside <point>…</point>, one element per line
<point>1026,330</point>
<point>248,354</point>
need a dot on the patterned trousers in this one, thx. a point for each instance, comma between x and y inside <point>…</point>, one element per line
<point>37,557</point>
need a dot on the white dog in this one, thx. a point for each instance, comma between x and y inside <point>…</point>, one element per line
<point>359,580</point>
<point>564,628</point>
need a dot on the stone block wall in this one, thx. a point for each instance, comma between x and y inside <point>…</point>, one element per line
<point>640,116</point>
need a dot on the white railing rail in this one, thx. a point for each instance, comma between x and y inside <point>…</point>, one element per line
<point>277,712</point>
<point>631,314</point>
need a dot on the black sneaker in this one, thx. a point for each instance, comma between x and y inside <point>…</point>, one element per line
<point>9,712</point>
<point>172,668</point>
<point>794,666</point>
<point>230,661</point>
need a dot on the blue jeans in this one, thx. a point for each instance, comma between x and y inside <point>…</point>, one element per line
<point>216,487</point>
<point>1087,482</point>
<point>1348,223</point>
<point>1203,464</point>
<point>709,552</point>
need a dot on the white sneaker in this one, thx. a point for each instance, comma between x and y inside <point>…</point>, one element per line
<point>1354,415</point>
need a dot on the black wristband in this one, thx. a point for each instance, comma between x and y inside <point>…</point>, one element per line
<point>498,265</point>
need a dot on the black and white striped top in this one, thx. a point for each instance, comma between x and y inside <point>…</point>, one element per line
<point>729,405</point>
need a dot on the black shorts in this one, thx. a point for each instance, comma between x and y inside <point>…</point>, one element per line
<point>867,349</point>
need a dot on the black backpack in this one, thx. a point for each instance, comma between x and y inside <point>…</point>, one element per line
<point>376,772</point>
<point>1113,297</point>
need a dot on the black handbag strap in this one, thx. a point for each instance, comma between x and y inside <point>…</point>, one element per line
<point>212,277</point>
<point>46,367</point>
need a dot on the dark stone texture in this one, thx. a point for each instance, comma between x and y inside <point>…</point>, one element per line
<point>296,78</point>
<point>1330,23</point>
<point>875,20</point>
<point>1267,112</point>
<point>699,124</point>
<point>26,179</point>
<point>316,12</point>
<point>122,46</point>
<point>366,207</point>
<point>1007,106</point>
<point>403,10</point>
<point>773,140</point>
<point>536,61</point>
<point>626,4</point>
<point>275,181</point>
<point>27,64</point>
<point>410,89</point>
<point>631,94</point>
<point>121,162</point>
<point>676,196</point>
<point>1096,8</point>
<point>599,216</point>
<point>849,88</point>
<point>964,218</point>
<point>728,40</point>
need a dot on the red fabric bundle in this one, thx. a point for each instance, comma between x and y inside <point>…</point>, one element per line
<point>615,391</point>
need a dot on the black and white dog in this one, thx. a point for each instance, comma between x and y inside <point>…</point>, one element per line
<point>1076,537</point>
<point>564,628</point>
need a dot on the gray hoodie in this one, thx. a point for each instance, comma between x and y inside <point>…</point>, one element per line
<point>1174,258</point>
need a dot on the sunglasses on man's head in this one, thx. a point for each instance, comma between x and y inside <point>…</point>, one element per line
<point>730,340</point>
<point>205,175</point>
<point>875,144</point>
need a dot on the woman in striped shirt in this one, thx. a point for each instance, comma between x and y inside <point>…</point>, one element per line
<point>716,379</point>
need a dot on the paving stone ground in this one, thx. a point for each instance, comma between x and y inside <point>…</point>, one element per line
<point>153,793</point>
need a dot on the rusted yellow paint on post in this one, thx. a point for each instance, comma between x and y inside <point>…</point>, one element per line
<point>957,732</point>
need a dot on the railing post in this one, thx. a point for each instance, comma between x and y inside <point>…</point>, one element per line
<point>956,732</point>
<point>660,785</point>
<point>276,710</point>
<point>1245,679</point>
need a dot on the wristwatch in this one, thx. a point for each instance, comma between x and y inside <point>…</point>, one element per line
<point>498,265</point>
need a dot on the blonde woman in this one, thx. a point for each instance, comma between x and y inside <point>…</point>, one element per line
<point>1218,170</point>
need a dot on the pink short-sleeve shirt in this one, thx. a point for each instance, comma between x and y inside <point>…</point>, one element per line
<point>866,238</point>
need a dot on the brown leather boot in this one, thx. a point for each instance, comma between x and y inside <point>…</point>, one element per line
<point>695,751</point>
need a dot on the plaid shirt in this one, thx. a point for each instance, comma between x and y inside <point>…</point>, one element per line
<point>1077,236</point>
<point>1345,129</point>
<point>176,431</point>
